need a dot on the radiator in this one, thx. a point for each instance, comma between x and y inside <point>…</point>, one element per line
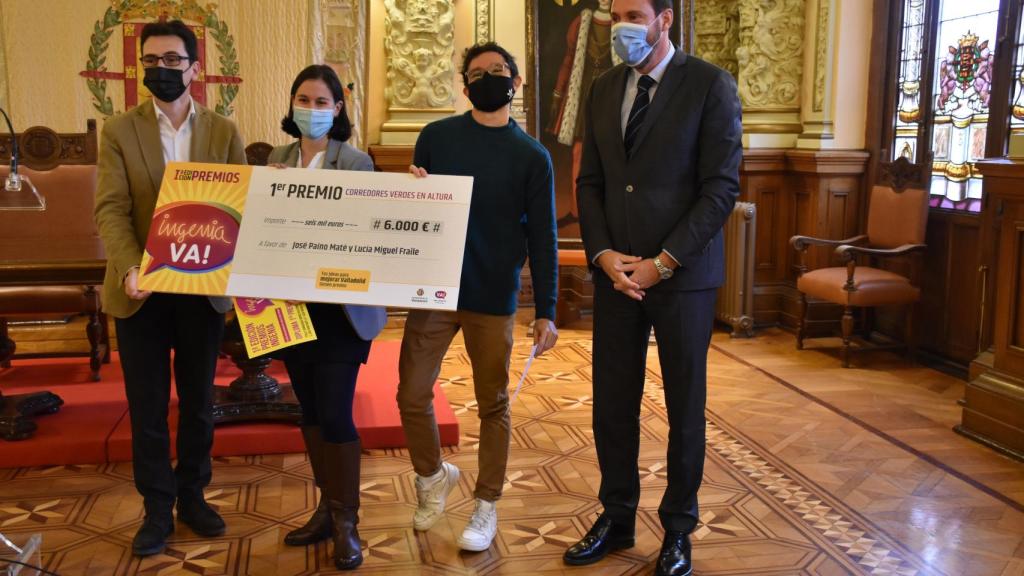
<point>735,305</point>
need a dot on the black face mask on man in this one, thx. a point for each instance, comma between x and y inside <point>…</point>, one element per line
<point>165,84</point>
<point>490,92</point>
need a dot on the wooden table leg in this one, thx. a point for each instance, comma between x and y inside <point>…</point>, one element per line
<point>254,395</point>
<point>99,343</point>
<point>7,346</point>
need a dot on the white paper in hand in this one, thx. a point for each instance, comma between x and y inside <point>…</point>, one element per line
<point>526,370</point>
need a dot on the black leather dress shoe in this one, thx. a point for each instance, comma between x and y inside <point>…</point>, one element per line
<point>152,535</point>
<point>203,520</point>
<point>604,536</point>
<point>674,559</point>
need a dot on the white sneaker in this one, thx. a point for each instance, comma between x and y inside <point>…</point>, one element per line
<point>432,494</point>
<point>482,527</point>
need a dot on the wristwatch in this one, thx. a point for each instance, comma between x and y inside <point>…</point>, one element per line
<point>664,271</point>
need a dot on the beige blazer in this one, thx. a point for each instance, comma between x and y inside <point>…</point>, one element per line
<point>131,167</point>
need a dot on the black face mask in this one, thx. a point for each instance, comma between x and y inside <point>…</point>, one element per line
<point>490,93</point>
<point>164,83</point>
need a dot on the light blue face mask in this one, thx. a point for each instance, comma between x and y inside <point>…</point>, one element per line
<point>313,123</point>
<point>630,42</point>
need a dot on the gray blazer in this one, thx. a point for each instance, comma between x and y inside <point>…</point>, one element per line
<point>676,188</point>
<point>367,321</point>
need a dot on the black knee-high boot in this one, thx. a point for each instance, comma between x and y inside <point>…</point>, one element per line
<point>341,490</point>
<point>318,527</point>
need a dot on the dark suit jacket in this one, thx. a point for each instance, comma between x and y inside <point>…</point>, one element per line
<point>678,187</point>
<point>367,321</point>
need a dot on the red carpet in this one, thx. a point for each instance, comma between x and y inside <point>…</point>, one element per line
<point>93,427</point>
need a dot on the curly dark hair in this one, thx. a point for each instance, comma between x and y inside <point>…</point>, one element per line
<point>477,49</point>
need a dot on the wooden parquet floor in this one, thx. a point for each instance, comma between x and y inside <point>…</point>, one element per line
<point>811,469</point>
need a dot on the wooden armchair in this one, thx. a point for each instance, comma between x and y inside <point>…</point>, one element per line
<point>896,228</point>
<point>63,168</point>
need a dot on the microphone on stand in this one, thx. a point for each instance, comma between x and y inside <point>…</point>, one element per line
<point>13,183</point>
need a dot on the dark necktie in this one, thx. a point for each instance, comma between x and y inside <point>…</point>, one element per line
<point>638,111</point>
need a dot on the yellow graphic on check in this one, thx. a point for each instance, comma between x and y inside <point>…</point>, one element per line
<point>338,279</point>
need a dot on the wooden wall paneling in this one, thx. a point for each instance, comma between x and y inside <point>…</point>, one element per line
<point>1016,318</point>
<point>932,305</point>
<point>391,158</point>
<point>950,288</point>
<point>993,403</point>
<point>963,290</point>
<point>763,182</point>
<point>1009,324</point>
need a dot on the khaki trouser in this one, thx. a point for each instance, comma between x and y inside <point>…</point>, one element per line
<point>428,333</point>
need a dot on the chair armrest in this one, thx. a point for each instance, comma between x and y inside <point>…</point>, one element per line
<point>848,253</point>
<point>801,243</point>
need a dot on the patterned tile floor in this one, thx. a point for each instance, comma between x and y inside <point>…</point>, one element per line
<point>796,482</point>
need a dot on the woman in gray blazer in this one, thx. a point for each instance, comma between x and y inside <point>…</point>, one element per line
<point>324,371</point>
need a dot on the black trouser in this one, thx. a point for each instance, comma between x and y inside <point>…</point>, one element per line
<point>193,329</point>
<point>326,391</point>
<point>324,372</point>
<point>682,323</point>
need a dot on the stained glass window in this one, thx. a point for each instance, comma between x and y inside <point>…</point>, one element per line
<point>908,105</point>
<point>965,50</point>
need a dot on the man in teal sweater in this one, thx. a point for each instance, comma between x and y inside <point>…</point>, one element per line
<point>512,216</point>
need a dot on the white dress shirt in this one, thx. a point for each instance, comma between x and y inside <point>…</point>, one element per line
<point>315,163</point>
<point>176,143</point>
<point>633,78</point>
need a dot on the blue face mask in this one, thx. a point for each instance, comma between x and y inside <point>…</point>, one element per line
<point>313,123</point>
<point>630,42</point>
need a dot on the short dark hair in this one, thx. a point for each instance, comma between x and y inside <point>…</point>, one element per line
<point>341,130</point>
<point>482,48</point>
<point>661,5</point>
<point>174,28</point>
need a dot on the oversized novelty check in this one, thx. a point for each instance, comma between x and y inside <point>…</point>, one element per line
<point>309,235</point>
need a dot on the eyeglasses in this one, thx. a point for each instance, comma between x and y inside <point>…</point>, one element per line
<point>170,59</point>
<point>498,69</point>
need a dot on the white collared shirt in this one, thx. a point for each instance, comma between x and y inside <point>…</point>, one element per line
<point>633,79</point>
<point>176,144</point>
<point>315,163</point>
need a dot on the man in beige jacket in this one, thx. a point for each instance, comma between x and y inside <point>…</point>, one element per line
<point>134,150</point>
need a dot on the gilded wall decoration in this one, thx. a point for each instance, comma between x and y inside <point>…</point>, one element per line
<point>770,55</point>
<point>484,30</point>
<point>823,38</point>
<point>419,44</point>
<point>718,37</point>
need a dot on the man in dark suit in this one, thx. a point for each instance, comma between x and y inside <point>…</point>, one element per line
<point>659,177</point>
<point>134,150</point>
